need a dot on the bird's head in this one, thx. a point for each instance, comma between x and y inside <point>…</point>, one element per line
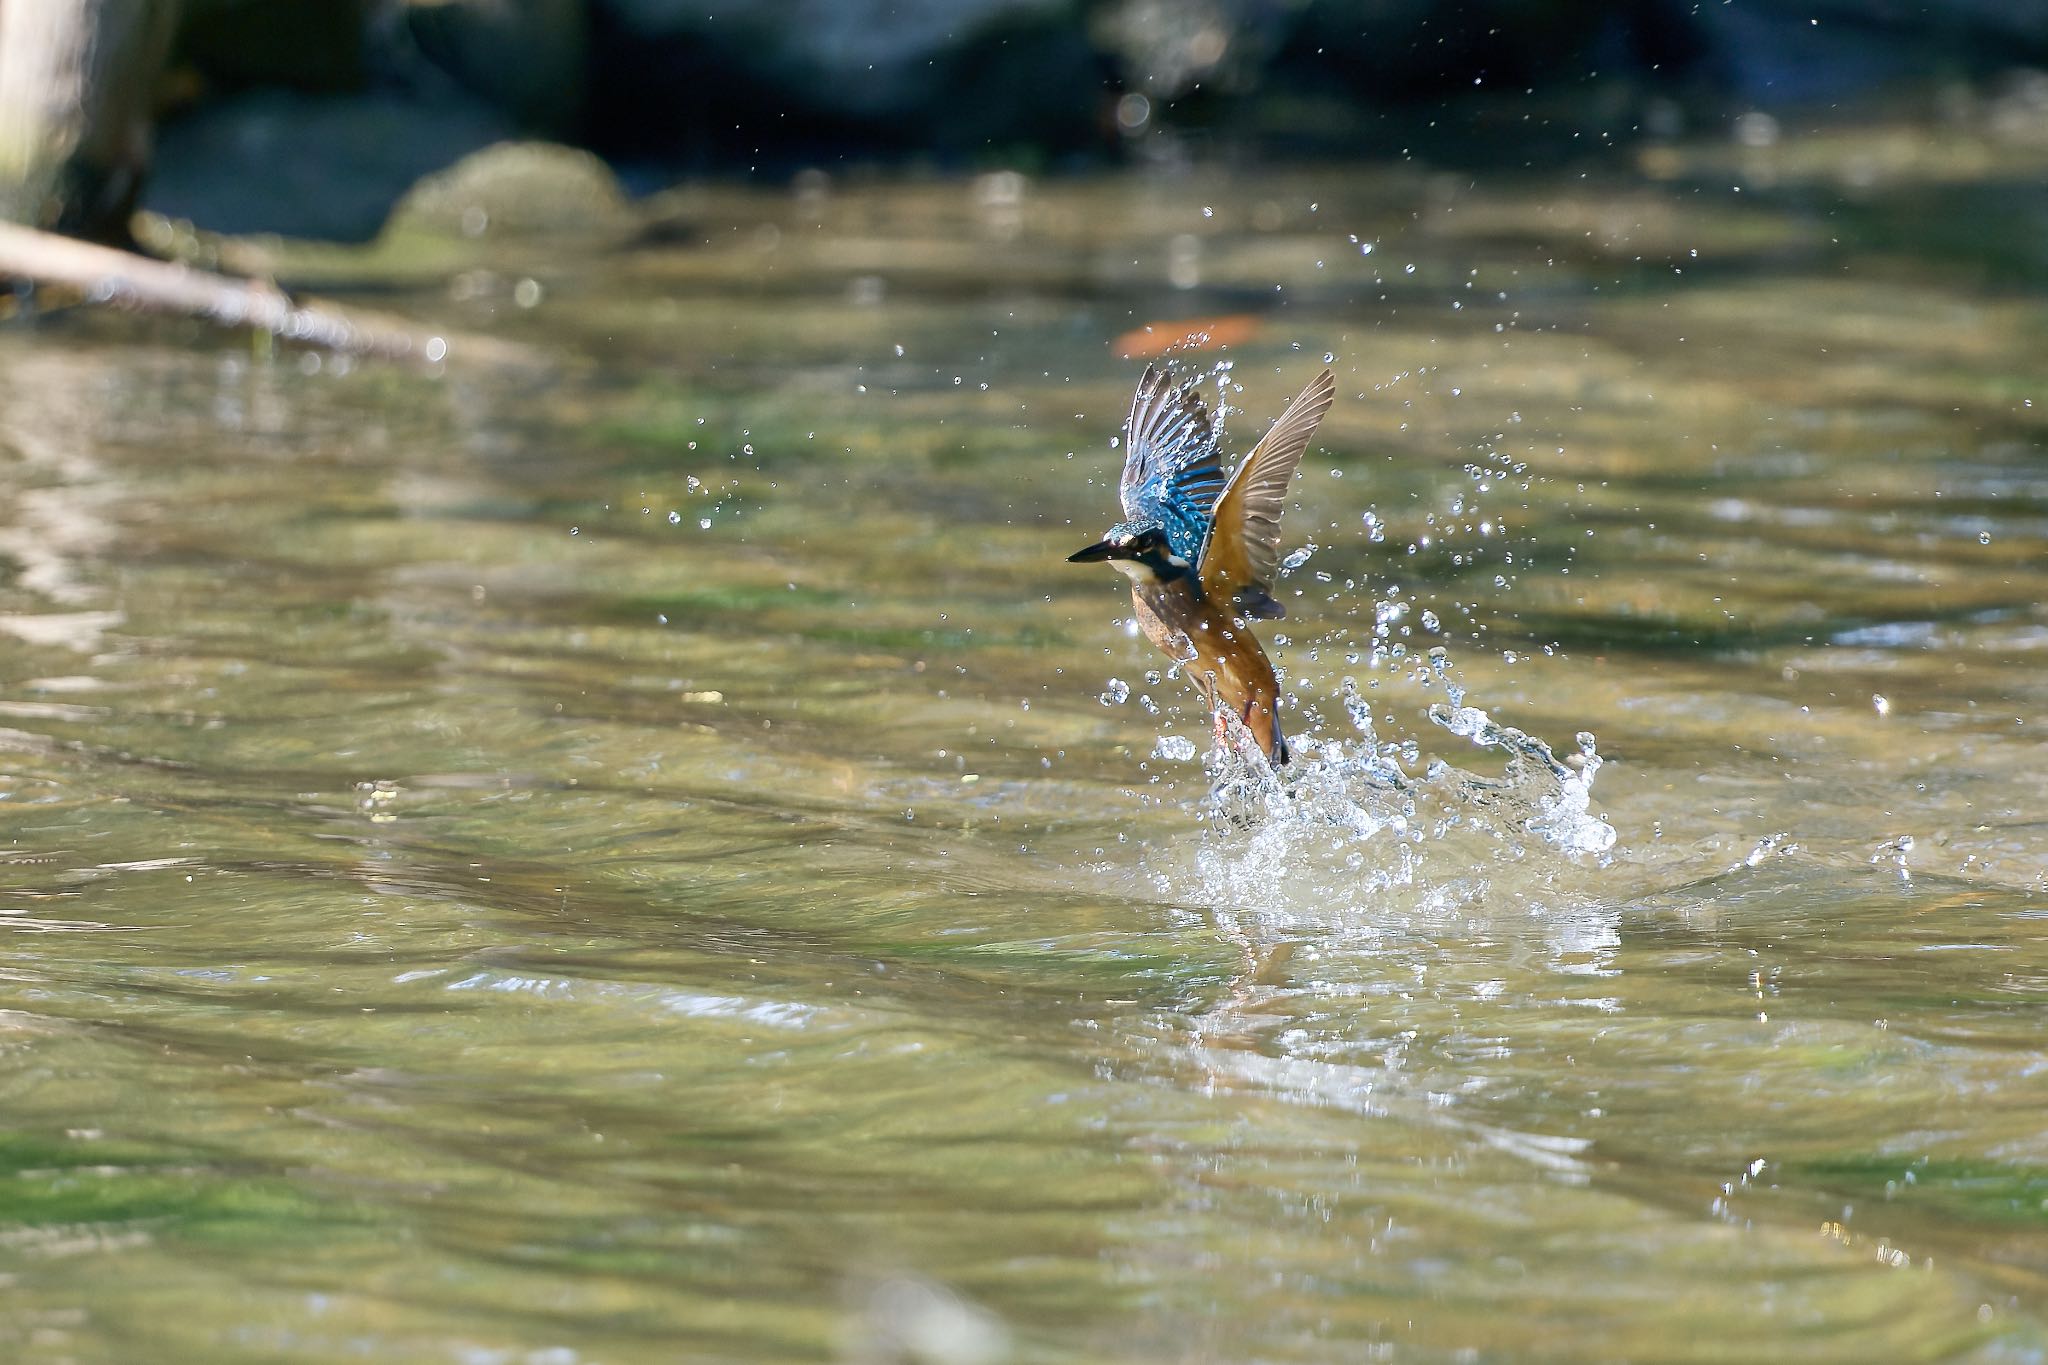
<point>1138,548</point>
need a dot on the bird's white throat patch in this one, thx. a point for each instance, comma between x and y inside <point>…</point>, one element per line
<point>1141,572</point>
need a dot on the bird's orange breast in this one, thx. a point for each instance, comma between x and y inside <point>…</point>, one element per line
<point>1220,654</point>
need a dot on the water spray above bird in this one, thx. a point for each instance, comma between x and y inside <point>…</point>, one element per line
<point>1201,551</point>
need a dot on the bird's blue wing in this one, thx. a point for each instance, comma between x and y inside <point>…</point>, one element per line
<point>1171,471</point>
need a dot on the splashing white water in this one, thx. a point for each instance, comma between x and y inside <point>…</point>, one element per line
<point>1558,799</point>
<point>1352,823</point>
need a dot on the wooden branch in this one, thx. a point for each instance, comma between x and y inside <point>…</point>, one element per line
<point>123,279</point>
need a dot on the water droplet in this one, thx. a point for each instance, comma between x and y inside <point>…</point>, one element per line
<point>1119,692</point>
<point>675,518</point>
<point>1175,748</point>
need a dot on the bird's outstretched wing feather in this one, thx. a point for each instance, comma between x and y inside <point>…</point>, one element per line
<point>1171,471</point>
<point>1243,547</point>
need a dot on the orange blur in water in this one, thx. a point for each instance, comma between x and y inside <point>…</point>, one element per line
<point>1188,334</point>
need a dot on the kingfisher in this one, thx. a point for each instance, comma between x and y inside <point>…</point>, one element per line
<point>1201,550</point>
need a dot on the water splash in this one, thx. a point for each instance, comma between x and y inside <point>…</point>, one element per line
<point>1557,798</point>
<point>1355,820</point>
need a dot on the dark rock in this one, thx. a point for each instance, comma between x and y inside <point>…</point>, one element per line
<point>1781,53</point>
<point>859,58</point>
<point>314,45</point>
<point>761,78</point>
<point>527,57</point>
<point>321,166</point>
<point>1402,50</point>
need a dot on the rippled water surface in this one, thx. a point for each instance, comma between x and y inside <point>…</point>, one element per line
<point>634,853</point>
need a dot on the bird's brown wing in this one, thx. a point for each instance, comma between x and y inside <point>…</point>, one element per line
<point>1242,551</point>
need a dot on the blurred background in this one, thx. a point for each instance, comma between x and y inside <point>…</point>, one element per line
<point>313,117</point>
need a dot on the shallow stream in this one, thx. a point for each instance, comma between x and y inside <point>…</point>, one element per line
<point>647,852</point>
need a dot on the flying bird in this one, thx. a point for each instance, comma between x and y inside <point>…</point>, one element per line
<point>1201,550</point>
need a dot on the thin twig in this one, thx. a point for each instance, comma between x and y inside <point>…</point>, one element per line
<point>122,279</point>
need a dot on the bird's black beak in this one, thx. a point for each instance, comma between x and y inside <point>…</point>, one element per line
<point>1095,553</point>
